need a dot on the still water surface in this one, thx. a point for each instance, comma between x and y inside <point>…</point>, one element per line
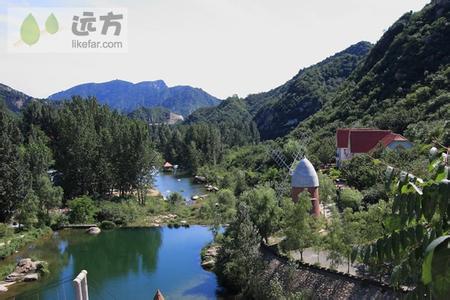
<point>123,264</point>
<point>168,183</point>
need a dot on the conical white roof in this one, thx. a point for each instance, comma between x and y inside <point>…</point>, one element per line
<point>304,175</point>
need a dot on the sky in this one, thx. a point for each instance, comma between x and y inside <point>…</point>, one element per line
<point>225,47</point>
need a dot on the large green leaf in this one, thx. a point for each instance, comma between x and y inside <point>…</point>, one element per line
<point>427,275</point>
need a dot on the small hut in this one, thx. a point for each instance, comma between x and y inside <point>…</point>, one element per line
<point>167,167</point>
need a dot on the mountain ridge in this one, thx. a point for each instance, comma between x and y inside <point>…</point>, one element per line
<point>126,96</point>
<point>12,99</point>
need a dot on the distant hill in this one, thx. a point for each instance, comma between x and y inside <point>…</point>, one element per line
<point>126,97</point>
<point>402,85</point>
<point>12,99</point>
<point>278,111</point>
<point>156,115</point>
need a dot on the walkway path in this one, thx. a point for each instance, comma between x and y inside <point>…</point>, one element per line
<point>311,256</point>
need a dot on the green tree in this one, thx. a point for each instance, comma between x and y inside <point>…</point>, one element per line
<point>13,173</point>
<point>263,208</point>
<point>27,210</point>
<point>82,210</point>
<point>343,235</point>
<point>327,188</point>
<point>349,198</point>
<point>297,224</point>
<point>362,172</point>
<point>226,205</point>
<point>239,258</point>
<point>49,196</point>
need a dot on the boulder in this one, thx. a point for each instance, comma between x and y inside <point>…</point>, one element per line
<point>93,230</point>
<point>26,270</point>
<point>31,277</point>
<point>3,289</point>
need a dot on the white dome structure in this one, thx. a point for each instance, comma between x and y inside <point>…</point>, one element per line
<point>304,175</point>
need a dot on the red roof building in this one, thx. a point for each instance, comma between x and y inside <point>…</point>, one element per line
<point>350,141</point>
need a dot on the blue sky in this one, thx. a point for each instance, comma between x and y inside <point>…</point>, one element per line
<point>222,46</point>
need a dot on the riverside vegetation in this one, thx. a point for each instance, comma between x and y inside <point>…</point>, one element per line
<point>393,221</point>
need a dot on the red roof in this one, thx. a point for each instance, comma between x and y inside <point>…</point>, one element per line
<point>342,137</point>
<point>393,137</point>
<point>168,165</point>
<point>362,140</point>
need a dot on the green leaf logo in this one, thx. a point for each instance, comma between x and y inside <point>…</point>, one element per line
<point>51,25</point>
<point>29,31</point>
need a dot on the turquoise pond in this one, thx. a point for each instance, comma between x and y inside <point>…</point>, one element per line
<point>122,264</point>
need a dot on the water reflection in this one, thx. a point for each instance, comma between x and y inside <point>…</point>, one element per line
<point>124,264</point>
<point>115,253</point>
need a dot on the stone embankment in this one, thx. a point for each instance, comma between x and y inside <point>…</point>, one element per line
<point>328,284</point>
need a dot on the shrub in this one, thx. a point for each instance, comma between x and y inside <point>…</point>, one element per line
<point>374,194</point>
<point>59,220</point>
<point>120,213</point>
<point>107,224</point>
<point>349,198</point>
<point>175,199</point>
<point>5,230</point>
<point>362,172</point>
<point>82,210</point>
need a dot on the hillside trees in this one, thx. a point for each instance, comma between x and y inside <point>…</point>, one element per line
<point>189,146</point>
<point>13,183</point>
<point>95,150</point>
<point>263,208</point>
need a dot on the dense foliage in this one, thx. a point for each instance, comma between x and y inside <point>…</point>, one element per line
<point>78,148</point>
<point>96,150</point>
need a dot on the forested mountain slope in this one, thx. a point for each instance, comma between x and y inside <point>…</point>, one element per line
<point>284,108</point>
<point>403,85</point>
<point>278,111</point>
<point>125,96</point>
<point>155,115</point>
<point>232,118</point>
<point>12,99</point>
